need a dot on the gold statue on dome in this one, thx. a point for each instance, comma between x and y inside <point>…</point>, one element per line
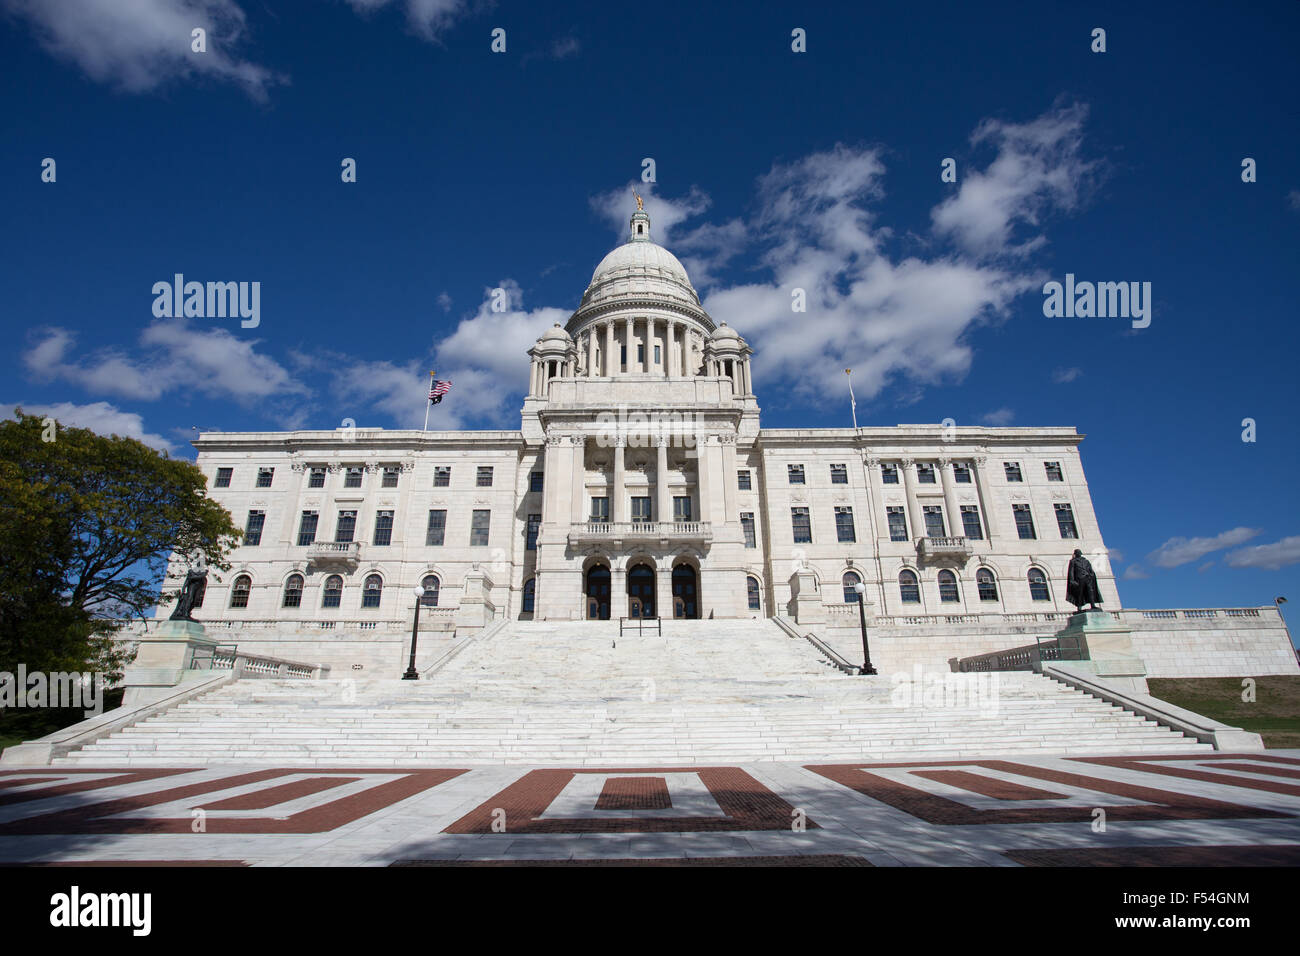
<point>639,207</point>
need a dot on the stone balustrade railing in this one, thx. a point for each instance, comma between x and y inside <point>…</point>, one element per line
<point>1196,617</point>
<point>244,666</point>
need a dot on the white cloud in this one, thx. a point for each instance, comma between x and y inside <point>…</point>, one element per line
<point>1179,551</point>
<point>1293,197</point>
<point>174,356</point>
<point>1279,554</point>
<point>998,417</point>
<point>1134,573</point>
<point>139,45</point>
<point>101,418</point>
<point>428,18</point>
<point>1115,554</point>
<point>1061,376</point>
<point>1038,170</point>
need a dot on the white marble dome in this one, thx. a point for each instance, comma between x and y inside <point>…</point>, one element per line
<point>640,268</point>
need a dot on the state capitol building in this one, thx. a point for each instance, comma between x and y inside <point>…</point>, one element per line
<point>640,484</point>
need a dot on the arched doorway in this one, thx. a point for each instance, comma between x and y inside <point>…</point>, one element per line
<point>686,597</point>
<point>641,591</point>
<point>598,592</point>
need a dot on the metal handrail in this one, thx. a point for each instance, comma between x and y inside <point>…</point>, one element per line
<point>640,624</point>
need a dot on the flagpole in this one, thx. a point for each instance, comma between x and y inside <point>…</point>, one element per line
<point>428,402</point>
<point>853,402</point>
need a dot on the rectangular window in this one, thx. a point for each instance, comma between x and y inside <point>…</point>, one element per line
<point>390,478</point>
<point>888,474</point>
<point>437,530</point>
<point>223,477</point>
<point>897,523</point>
<point>657,359</point>
<point>747,526</point>
<point>844,530</point>
<point>1053,469</point>
<point>484,479</point>
<point>925,474</point>
<point>1013,471</point>
<point>682,508</point>
<point>934,526</point>
<point>802,525</point>
<point>961,473</point>
<point>1065,521</point>
<point>352,478</point>
<point>839,474</point>
<point>441,476</point>
<point>743,481</point>
<point>795,473</point>
<point>479,526</point>
<point>317,478</point>
<point>307,528</point>
<point>264,476</point>
<point>534,524</point>
<point>600,510</point>
<point>641,510</point>
<point>347,527</point>
<point>1024,522</point>
<point>622,355</point>
<point>253,530</point>
<point>535,481</point>
<point>640,353</point>
<point>971,525</point>
<point>383,527</point>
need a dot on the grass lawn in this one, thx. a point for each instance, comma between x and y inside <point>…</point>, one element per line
<point>1274,714</point>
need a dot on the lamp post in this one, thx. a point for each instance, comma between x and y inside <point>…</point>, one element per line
<point>411,673</point>
<point>867,668</point>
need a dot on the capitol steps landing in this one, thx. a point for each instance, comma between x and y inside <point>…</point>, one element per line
<point>577,694</point>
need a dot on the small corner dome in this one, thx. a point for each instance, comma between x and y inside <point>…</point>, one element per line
<point>724,332</point>
<point>556,334</point>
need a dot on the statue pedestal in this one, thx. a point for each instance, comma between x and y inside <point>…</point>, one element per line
<point>1109,649</point>
<point>164,659</point>
<point>808,606</point>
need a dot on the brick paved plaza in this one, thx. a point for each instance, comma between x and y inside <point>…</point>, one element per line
<point>1211,809</point>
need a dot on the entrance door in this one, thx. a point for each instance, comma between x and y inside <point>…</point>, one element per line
<point>598,593</point>
<point>685,593</point>
<point>641,591</point>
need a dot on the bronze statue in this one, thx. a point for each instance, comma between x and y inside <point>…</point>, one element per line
<point>190,595</point>
<point>1081,583</point>
<point>638,201</point>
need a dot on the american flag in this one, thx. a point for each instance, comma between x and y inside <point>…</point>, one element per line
<point>436,390</point>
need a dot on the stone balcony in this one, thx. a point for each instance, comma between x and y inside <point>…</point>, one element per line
<point>343,553</point>
<point>932,549</point>
<point>615,533</point>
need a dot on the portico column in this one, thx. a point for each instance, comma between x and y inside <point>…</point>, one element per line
<point>617,508</point>
<point>579,480</point>
<point>707,473</point>
<point>913,506</point>
<point>645,348</point>
<point>985,497</point>
<point>955,528</point>
<point>670,351</point>
<point>592,371</point>
<point>532,377</point>
<point>875,489</point>
<point>729,489</point>
<point>610,368</point>
<point>661,480</point>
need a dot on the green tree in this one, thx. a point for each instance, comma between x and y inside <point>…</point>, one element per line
<point>87,525</point>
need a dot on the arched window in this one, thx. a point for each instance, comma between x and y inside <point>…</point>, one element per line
<point>293,591</point>
<point>530,596</point>
<point>849,581</point>
<point>908,588</point>
<point>751,589</point>
<point>1038,589</point>
<point>987,584</point>
<point>239,593</point>
<point>372,591</point>
<point>431,586</point>
<point>948,593</point>
<point>333,593</point>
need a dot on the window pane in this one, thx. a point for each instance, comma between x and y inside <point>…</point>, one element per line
<point>384,527</point>
<point>223,477</point>
<point>897,523</point>
<point>390,478</point>
<point>317,478</point>
<point>1012,469</point>
<point>1038,585</point>
<point>373,590</point>
<point>802,525</point>
<point>530,541</point>
<point>600,509</point>
<point>681,507</point>
<point>478,534</point>
<point>535,481</point>
<point>987,585</point>
<point>839,474</point>
<point>239,593</point>
<point>431,586</point>
<point>1024,522</point>
<point>307,528</point>
<point>908,588</point>
<point>1053,469</point>
<point>849,581</point>
<point>264,476</point>
<point>747,526</point>
<point>751,588</point>
<point>437,528</point>
<point>352,478</point>
<point>889,474</point>
<point>744,481</point>
<point>795,474</point>
<point>934,526</point>
<point>925,474</point>
<point>961,474</point>
<point>441,476</point>
<point>1065,521</point>
<point>293,591</point>
<point>347,526</point>
<point>333,594</point>
<point>844,530</point>
<point>640,510</point>
<point>970,520</point>
<point>948,587</point>
<point>253,530</point>
<point>484,479</point>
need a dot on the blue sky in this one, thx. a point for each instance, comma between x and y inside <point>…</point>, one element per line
<point>774,169</point>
